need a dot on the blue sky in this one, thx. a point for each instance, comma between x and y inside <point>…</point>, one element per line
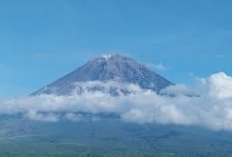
<point>43,40</point>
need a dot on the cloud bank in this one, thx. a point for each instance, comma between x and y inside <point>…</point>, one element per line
<point>207,104</point>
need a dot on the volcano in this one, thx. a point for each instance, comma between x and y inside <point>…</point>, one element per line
<point>107,68</point>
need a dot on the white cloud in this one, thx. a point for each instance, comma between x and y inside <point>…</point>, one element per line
<point>158,67</point>
<point>179,89</point>
<point>44,117</point>
<point>208,104</point>
<point>220,85</point>
<point>74,117</point>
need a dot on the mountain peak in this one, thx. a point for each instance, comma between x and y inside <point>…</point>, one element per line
<point>106,68</point>
<point>113,57</point>
<point>106,56</point>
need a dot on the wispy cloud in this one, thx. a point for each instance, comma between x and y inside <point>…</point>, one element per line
<point>157,67</point>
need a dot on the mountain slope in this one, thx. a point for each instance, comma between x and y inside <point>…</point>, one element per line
<point>111,68</point>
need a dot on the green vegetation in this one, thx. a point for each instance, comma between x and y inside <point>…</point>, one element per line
<point>110,138</point>
<point>118,153</point>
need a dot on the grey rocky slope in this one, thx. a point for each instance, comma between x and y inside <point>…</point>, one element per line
<point>115,68</point>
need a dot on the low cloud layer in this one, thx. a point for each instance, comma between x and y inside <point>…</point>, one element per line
<point>207,104</point>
